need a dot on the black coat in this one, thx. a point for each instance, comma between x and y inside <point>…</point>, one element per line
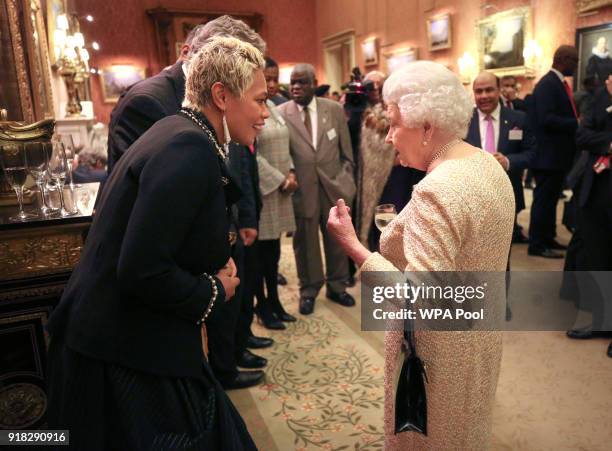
<point>142,105</point>
<point>595,136</point>
<point>554,123</point>
<point>137,293</point>
<point>520,153</point>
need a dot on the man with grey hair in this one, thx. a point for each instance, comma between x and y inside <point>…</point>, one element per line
<point>150,100</point>
<point>160,96</point>
<point>321,150</point>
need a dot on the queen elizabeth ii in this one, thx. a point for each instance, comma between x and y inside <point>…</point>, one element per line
<point>460,218</point>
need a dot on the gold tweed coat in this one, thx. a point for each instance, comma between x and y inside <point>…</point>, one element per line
<point>274,163</point>
<point>454,222</point>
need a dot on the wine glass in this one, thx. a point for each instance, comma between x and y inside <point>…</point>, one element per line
<point>58,168</point>
<point>37,157</point>
<point>383,215</point>
<point>14,162</point>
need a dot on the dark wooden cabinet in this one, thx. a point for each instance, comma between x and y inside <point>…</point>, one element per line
<point>36,260</point>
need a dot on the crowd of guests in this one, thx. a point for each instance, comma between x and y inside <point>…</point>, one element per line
<point>184,251</point>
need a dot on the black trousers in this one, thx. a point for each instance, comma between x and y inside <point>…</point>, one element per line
<point>595,219</point>
<point>248,282</point>
<point>543,222</point>
<point>269,252</point>
<point>222,325</point>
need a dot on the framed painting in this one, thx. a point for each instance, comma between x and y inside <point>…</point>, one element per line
<point>369,47</point>
<point>400,57</point>
<point>593,44</point>
<point>439,32</point>
<point>117,78</point>
<point>501,40</point>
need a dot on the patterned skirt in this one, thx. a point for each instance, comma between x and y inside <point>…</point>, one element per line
<point>111,407</point>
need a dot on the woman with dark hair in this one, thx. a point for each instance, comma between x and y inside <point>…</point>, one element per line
<point>127,366</point>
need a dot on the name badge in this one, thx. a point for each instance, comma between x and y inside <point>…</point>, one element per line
<point>331,134</point>
<point>515,135</point>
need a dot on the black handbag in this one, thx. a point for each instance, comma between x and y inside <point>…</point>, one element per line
<point>411,395</point>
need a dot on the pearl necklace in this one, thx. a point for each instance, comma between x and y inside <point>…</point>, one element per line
<point>442,150</point>
<point>193,115</point>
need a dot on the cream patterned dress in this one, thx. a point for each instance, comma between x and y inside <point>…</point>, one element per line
<point>460,218</point>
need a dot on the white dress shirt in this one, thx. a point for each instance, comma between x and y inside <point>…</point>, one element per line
<point>559,74</point>
<point>483,126</point>
<point>312,110</point>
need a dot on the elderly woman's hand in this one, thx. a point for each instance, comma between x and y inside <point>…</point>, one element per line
<point>340,226</point>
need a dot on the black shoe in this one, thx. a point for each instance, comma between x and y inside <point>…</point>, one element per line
<point>269,319</point>
<point>350,282</point>
<point>254,342</point>
<point>546,253</point>
<point>307,305</point>
<point>344,299</point>
<point>281,279</point>
<point>519,238</point>
<point>280,312</point>
<point>557,246</point>
<point>249,360</point>
<point>610,350</point>
<point>587,332</point>
<point>244,379</point>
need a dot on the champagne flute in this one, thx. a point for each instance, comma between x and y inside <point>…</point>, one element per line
<point>383,215</point>
<point>37,157</point>
<point>70,150</point>
<point>57,171</point>
<point>14,162</point>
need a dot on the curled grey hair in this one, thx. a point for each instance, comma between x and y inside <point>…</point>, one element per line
<point>427,92</point>
<point>305,68</point>
<point>229,61</point>
<point>224,26</point>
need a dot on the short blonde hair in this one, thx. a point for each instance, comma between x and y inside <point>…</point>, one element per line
<point>226,60</point>
<point>427,92</point>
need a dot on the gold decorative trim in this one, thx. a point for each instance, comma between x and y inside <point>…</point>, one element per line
<point>20,61</point>
<point>583,6</point>
<point>45,57</point>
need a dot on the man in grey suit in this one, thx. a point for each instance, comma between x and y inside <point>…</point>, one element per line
<point>323,159</point>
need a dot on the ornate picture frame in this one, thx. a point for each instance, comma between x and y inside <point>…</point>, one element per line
<point>118,77</point>
<point>369,48</point>
<point>587,39</point>
<point>439,32</point>
<point>501,40</point>
<point>399,57</point>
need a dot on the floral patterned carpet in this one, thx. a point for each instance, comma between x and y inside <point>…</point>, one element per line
<point>324,385</point>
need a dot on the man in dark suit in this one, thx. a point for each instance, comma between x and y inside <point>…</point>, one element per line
<point>553,116</point>
<point>512,143</point>
<point>509,94</point>
<point>162,95</point>
<point>595,207</point>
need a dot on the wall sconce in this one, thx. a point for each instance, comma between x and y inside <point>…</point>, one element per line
<point>533,58</point>
<point>72,59</point>
<point>467,68</point>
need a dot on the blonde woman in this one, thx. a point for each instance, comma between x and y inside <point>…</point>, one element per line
<point>460,218</point>
<point>127,369</point>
